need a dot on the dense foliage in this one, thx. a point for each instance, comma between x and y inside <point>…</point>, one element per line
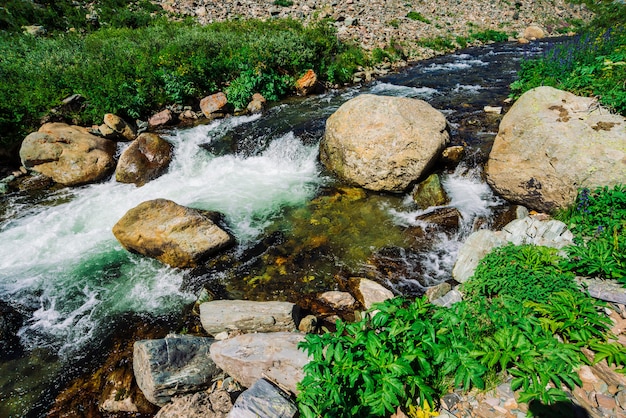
<point>131,72</point>
<point>593,64</point>
<point>522,316</point>
<point>598,220</point>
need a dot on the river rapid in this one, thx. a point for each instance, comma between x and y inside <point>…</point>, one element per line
<point>298,230</point>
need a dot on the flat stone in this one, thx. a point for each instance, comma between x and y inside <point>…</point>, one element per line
<point>338,300</point>
<point>248,316</point>
<point>263,399</point>
<point>368,292</point>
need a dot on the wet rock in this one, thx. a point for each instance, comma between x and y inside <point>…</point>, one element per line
<point>198,405</point>
<point>447,218</point>
<point>122,128</point>
<point>163,118</point>
<point>213,105</point>
<point>249,357</point>
<point>306,84</point>
<point>173,234</point>
<point>10,323</point>
<point>248,316</point>
<point>68,154</point>
<point>453,155</point>
<point>338,300</point>
<point>308,324</point>
<point>550,144</point>
<point>34,182</point>
<point>257,104</point>
<point>145,159</point>
<point>264,399</point>
<point>383,143</point>
<point>368,292</point>
<point>429,193</point>
<point>172,366</point>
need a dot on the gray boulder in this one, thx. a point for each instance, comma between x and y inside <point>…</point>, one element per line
<point>248,316</point>
<point>550,144</point>
<point>249,357</point>
<point>475,247</point>
<point>146,158</point>
<point>383,143</point>
<point>368,292</point>
<point>68,154</point>
<point>173,366</point>
<point>263,399</point>
<point>173,234</point>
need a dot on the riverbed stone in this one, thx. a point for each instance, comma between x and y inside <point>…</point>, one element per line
<point>200,404</point>
<point>337,300</point>
<point>248,316</point>
<point>249,357</point>
<point>68,154</point>
<point>10,323</point>
<point>257,104</point>
<point>550,144</point>
<point>146,158</point>
<point>368,292</point>
<point>475,247</point>
<point>171,233</point>
<point>264,399</point>
<point>383,143</point>
<point>306,84</point>
<point>162,118</point>
<point>214,104</point>
<point>172,366</point>
<point>429,193</point>
<point>123,129</point>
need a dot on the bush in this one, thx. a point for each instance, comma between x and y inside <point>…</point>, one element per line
<point>417,16</point>
<point>132,72</point>
<point>489,35</point>
<point>589,65</point>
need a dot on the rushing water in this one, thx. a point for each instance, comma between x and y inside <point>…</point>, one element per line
<point>296,227</point>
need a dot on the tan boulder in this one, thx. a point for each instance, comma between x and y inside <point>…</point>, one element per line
<point>306,84</point>
<point>146,158</point>
<point>383,143</point>
<point>257,104</point>
<point>213,104</point>
<point>533,32</point>
<point>68,154</point>
<point>171,233</point>
<point>164,117</point>
<point>550,144</point>
<point>122,129</point>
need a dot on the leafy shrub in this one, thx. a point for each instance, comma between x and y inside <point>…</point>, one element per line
<point>525,272</point>
<point>417,16</point>
<point>437,44</point>
<point>590,65</point>
<point>489,35</point>
<point>283,3</point>
<point>607,13</point>
<point>598,221</point>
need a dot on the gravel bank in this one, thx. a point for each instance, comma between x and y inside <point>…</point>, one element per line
<point>377,23</point>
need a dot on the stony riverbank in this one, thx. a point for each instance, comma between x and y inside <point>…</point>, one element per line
<point>378,23</point>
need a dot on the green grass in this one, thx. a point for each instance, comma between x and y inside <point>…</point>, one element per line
<point>132,72</point>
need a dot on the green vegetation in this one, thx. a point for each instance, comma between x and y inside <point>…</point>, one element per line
<point>132,72</point>
<point>417,16</point>
<point>598,221</point>
<point>593,64</point>
<point>489,35</point>
<point>522,316</point>
<point>283,3</point>
<point>443,44</point>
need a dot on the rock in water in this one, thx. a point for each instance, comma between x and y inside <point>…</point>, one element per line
<point>120,127</point>
<point>248,316</point>
<point>173,234</point>
<point>383,143</point>
<point>146,158</point>
<point>68,154</point>
<point>550,144</point>
<point>173,366</point>
<point>249,357</point>
<point>263,399</point>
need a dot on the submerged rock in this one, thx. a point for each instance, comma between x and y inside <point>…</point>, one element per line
<point>264,399</point>
<point>173,234</point>
<point>174,365</point>
<point>68,154</point>
<point>249,357</point>
<point>248,316</point>
<point>145,159</point>
<point>383,143</point>
<point>429,193</point>
<point>550,144</point>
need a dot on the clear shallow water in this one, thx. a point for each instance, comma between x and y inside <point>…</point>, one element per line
<point>63,269</point>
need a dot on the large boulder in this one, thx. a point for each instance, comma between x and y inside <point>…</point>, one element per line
<point>173,234</point>
<point>383,143</point>
<point>248,316</point>
<point>550,144</point>
<point>249,357</point>
<point>68,154</point>
<point>146,158</point>
<point>173,366</point>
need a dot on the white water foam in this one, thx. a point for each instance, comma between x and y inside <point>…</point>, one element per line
<point>64,264</point>
<point>389,89</point>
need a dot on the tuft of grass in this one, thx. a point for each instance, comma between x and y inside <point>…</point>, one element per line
<point>417,16</point>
